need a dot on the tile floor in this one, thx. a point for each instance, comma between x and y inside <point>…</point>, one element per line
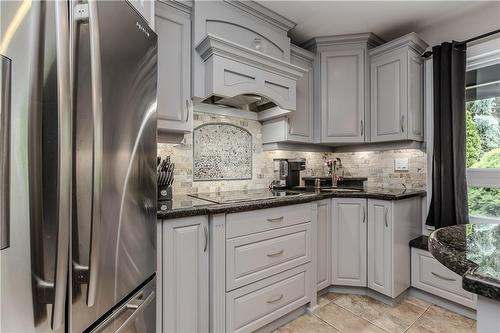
<point>361,314</point>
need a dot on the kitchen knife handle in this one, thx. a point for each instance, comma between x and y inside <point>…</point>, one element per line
<point>65,157</point>
<point>96,83</point>
<point>5,116</point>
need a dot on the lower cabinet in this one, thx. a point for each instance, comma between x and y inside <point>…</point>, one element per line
<point>349,222</point>
<point>323,244</point>
<point>184,273</point>
<point>391,225</point>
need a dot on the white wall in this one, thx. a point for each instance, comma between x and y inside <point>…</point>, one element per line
<point>477,21</point>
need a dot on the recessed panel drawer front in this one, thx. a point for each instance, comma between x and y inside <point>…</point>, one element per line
<point>258,304</point>
<point>430,275</point>
<point>240,224</point>
<point>257,256</point>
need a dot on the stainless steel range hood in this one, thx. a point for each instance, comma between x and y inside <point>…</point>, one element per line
<point>245,79</point>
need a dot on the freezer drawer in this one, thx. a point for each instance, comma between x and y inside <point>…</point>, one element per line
<point>136,315</point>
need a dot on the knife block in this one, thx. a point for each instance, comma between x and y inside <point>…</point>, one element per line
<point>164,193</point>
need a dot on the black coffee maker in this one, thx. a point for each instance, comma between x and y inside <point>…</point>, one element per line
<point>287,173</point>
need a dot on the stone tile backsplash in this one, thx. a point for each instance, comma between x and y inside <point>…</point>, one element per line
<point>377,166</point>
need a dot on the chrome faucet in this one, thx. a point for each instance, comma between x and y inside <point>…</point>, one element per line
<point>335,166</point>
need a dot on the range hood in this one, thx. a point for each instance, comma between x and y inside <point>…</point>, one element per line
<point>245,79</point>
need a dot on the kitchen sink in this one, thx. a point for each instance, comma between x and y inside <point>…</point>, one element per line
<point>338,189</point>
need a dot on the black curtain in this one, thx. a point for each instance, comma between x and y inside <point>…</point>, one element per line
<point>449,186</point>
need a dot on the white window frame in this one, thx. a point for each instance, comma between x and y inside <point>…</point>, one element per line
<point>482,55</point>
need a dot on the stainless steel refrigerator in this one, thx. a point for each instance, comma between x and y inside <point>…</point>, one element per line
<point>77,167</point>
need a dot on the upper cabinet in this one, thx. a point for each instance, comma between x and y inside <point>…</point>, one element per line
<point>173,26</point>
<point>296,126</point>
<point>341,74</point>
<point>397,79</point>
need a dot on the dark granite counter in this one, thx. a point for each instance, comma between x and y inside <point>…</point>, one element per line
<point>421,242</point>
<point>184,206</point>
<point>472,251</point>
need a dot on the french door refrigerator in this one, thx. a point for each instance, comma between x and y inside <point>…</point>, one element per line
<point>77,167</point>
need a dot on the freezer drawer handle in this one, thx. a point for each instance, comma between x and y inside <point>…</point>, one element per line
<point>5,76</point>
<point>137,306</point>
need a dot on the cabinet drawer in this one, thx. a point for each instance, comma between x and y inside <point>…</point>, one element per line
<point>430,275</point>
<point>240,224</point>
<point>257,256</point>
<point>258,304</point>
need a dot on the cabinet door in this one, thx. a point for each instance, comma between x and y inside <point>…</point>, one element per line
<point>300,122</point>
<point>173,27</point>
<point>323,245</point>
<point>349,242</point>
<point>380,246</point>
<point>342,96</point>
<point>389,97</point>
<point>185,275</point>
<point>415,97</point>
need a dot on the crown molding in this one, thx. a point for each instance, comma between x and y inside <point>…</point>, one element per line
<point>301,53</point>
<point>263,13</point>
<point>411,40</point>
<point>370,38</point>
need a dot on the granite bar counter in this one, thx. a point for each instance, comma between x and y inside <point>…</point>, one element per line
<point>473,251</point>
<point>204,204</point>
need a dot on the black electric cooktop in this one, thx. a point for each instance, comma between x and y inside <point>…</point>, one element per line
<point>243,195</point>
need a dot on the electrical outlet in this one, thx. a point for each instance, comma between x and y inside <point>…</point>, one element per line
<point>401,164</point>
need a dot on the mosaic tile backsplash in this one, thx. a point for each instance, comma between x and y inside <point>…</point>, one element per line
<point>221,151</point>
<point>377,166</point>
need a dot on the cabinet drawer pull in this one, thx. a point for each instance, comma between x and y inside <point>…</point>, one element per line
<point>402,123</point>
<point>443,277</point>
<point>276,299</point>
<point>276,253</point>
<point>205,230</point>
<point>276,219</point>
<point>362,127</point>
<point>364,214</point>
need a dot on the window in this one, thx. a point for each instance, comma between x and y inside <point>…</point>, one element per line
<point>483,143</point>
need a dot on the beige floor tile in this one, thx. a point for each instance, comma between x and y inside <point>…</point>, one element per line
<point>345,321</point>
<point>395,319</point>
<point>306,324</point>
<point>439,320</point>
<point>327,298</point>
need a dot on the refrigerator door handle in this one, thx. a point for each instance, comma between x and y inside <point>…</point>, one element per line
<point>5,86</point>
<point>96,83</point>
<point>65,165</point>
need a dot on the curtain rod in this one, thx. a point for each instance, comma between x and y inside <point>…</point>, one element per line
<point>427,54</point>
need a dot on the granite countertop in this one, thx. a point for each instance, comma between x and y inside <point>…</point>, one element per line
<point>184,206</point>
<point>472,251</point>
<point>421,242</point>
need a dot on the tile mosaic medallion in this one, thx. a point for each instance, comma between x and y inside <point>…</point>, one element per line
<point>221,151</point>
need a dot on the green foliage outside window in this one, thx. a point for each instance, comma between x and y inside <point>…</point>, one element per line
<point>483,151</point>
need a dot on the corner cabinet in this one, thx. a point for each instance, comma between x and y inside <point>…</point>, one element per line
<point>343,95</point>
<point>391,225</point>
<point>185,274</point>
<point>296,126</point>
<point>349,223</point>
<point>397,90</point>
<point>173,26</point>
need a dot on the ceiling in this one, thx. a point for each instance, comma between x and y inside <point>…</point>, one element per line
<point>388,19</point>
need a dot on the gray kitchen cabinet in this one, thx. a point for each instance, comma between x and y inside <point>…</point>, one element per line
<point>349,227</point>
<point>391,225</point>
<point>341,87</point>
<point>296,126</point>
<point>343,96</point>
<point>185,274</point>
<point>323,244</point>
<point>397,94</point>
<point>173,26</point>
